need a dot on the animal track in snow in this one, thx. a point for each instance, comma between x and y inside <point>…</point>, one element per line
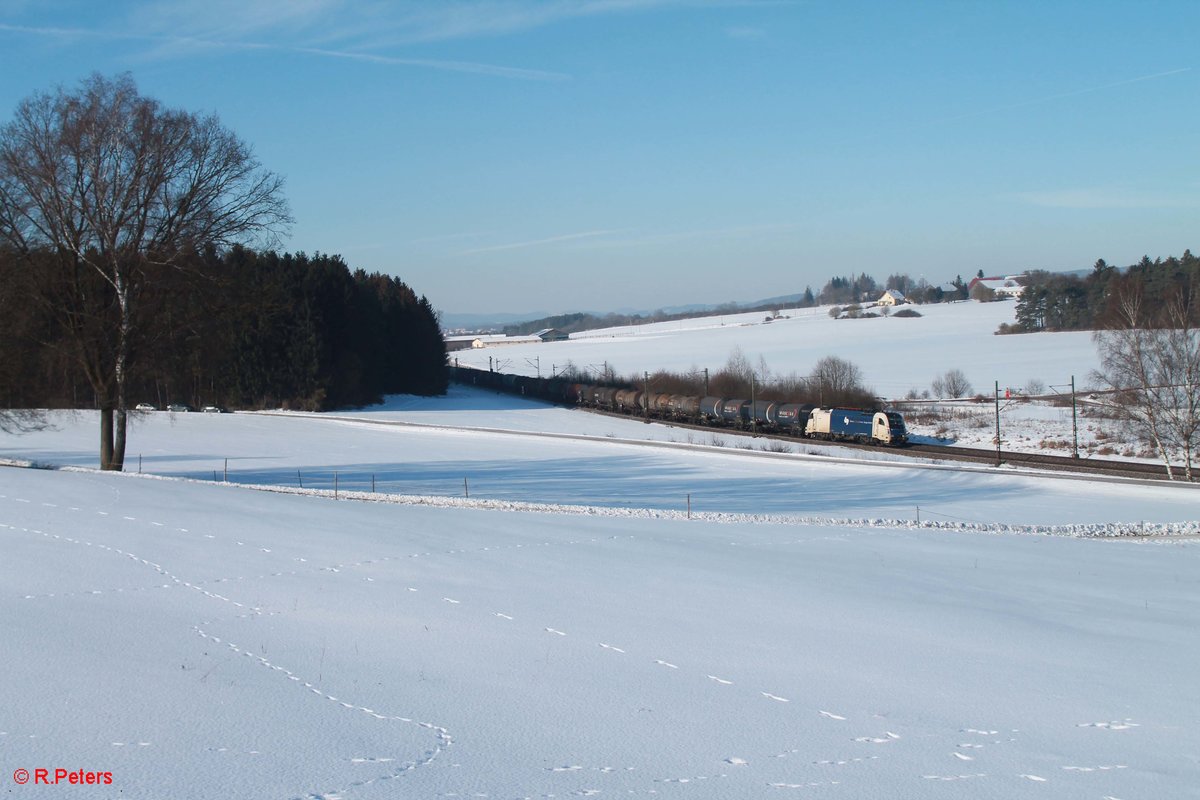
<point>1115,725</point>
<point>839,763</point>
<point>444,739</point>
<point>689,780</point>
<point>954,777</point>
<point>234,752</point>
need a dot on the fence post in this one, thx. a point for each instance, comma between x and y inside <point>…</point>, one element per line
<point>227,470</point>
<point>299,478</point>
<point>372,483</point>
<point>335,484</point>
<point>466,490</point>
<point>689,505</point>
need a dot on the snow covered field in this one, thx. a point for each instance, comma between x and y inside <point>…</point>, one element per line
<point>509,449</point>
<point>895,354</point>
<point>201,639</point>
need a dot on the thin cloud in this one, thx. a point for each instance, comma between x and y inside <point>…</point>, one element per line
<point>449,66</point>
<point>171,45</point>
<point>743,32</point>
<point>1064,95</point>
<point>1100,198</point>
<point>673,237</point>
<point>368,33</point>
<point>569,237</point>
<point>491,18</point>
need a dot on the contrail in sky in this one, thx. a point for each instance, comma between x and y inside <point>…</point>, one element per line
<point>1063,95</point>
<point>536,242</point>
<point>451,66</point>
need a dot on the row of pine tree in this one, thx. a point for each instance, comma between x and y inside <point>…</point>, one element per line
<point>239,329</point>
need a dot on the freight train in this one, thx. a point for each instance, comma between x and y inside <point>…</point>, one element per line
<point>865,426</point>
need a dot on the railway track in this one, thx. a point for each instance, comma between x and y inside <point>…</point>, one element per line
<point>941,453</point>
<point>1100,466</point>
<point>966,455</point>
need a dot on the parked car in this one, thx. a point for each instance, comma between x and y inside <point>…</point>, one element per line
<point>145,407</point>
<point>179,407</point>
<point>214,410</point>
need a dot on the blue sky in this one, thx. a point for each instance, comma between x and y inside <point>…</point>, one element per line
<point>512,155</point>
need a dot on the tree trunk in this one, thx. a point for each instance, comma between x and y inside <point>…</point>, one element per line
<point>1164,452</point>
<point>121,367</point>
<point>106,437</point>
<point>117,461</point>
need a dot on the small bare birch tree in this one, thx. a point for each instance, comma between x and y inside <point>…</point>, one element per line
<point>1180,351</point>
<point>109,182</point>
<point>1152,369</point>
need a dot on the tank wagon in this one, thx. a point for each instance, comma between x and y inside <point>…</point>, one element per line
<point>867,426</point>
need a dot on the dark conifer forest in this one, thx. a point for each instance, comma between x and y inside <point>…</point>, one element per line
<point>238,329</point>
<point>1055,302</point>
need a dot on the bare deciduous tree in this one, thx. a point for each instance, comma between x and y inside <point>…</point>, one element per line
<point>111,183</point>
<point>1152,369</point>
<point>837,380</point>
<point>953,384</point>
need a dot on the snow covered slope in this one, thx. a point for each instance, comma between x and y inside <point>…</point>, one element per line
<point>200,639</point>
<point>206,641</point>
<point>895,354</point>
<point>509,449</point>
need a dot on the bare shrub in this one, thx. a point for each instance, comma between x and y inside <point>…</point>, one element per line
<point>982,294</point>
<point>953,384</point>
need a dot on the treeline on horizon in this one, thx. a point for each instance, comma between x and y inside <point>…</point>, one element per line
<point>839,289</point>
<point>239,329</point>
<point>1055,302</point>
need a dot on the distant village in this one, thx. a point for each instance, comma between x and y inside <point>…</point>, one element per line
<point>980,288</point>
